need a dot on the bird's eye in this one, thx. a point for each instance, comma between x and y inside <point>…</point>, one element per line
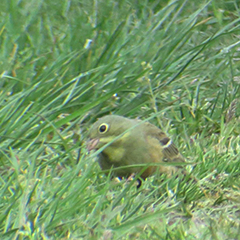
<point>103,128</point>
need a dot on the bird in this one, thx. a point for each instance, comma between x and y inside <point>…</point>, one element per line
<point>130,142</point>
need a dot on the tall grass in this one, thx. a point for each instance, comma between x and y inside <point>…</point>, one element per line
<point>176,61</point>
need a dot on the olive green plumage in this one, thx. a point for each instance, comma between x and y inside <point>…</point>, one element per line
<point>140,143</point>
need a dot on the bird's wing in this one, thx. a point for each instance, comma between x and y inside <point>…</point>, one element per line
<point>169,149</point>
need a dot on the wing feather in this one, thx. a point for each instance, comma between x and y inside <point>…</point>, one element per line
<point>169,149</point>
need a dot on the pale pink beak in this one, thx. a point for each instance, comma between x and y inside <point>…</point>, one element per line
<point>91,144</point>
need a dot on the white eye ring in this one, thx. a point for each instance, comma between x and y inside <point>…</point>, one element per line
<point>103,128</point>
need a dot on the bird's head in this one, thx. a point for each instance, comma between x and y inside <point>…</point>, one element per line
<point>106,129</point>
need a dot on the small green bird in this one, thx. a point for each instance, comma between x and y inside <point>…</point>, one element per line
<point>136,142</point>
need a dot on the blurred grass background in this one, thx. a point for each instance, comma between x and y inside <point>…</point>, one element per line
<point>65,63</point>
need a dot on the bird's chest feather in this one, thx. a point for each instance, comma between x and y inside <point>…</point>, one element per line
<point>130,152</point>
<point>125,150</point>
<point>114,154</point>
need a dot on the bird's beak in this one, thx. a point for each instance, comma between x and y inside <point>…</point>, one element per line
<point>92,143</point>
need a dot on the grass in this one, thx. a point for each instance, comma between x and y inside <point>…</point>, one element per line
<point>175,62</point>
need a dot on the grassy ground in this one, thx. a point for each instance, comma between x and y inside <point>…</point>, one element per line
<point>177,61</point>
